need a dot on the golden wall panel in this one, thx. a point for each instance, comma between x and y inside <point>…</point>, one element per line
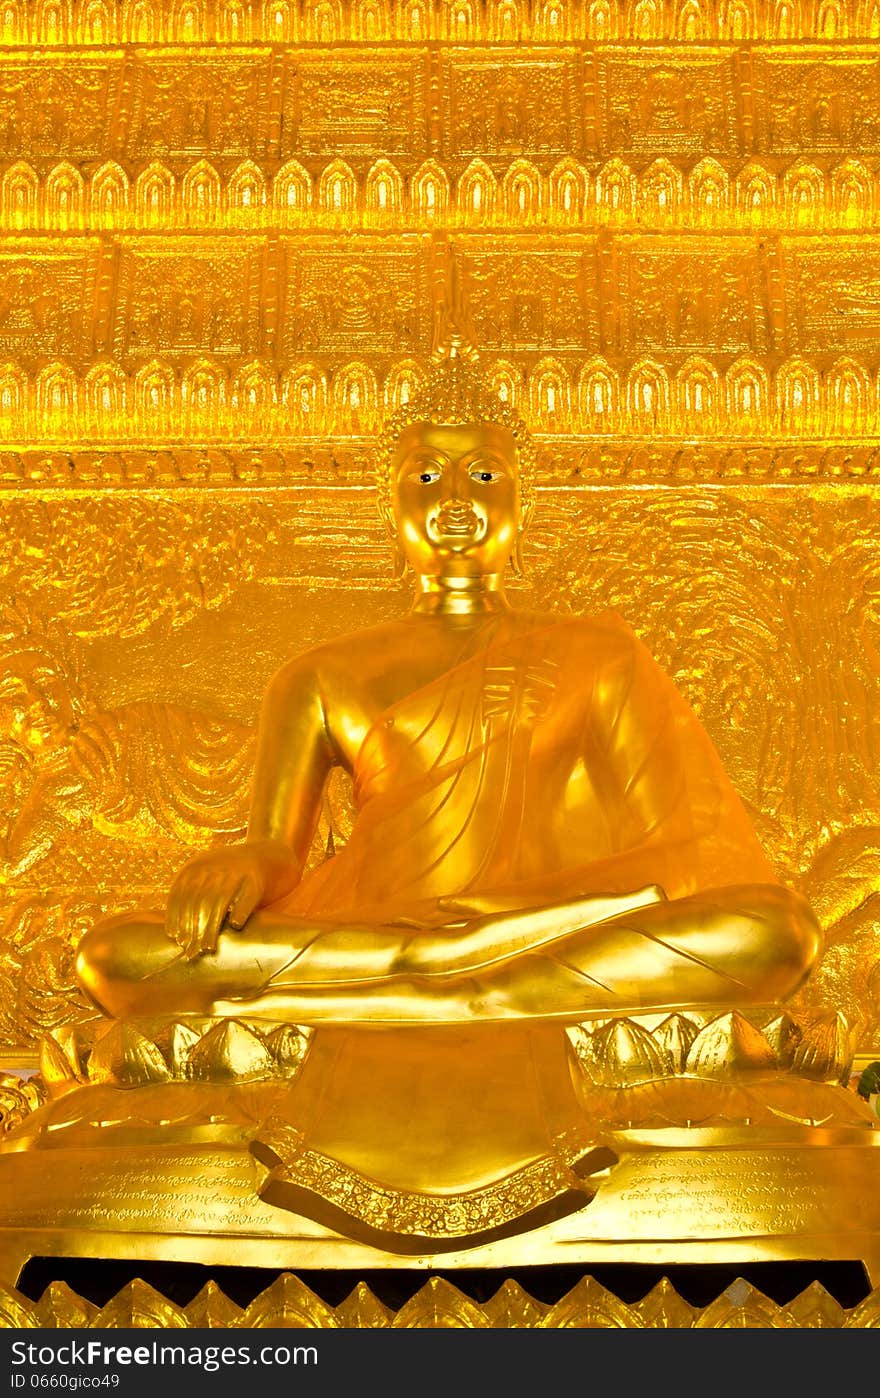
<point>206,297</point>
<point>527,296</point>
<point>832,296</point>
<point>355,106</point>
<point>177,106</point>
<point>63,103</point>
<point>673,103</point>
<point>48,299</point>
<point>681,102</point>
<point>508,105</point>
<point>817,102</point>
<point>131,671</point>
<point>654,303</point>
<point>355,298</point>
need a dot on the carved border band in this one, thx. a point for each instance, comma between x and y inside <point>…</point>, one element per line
<point>438,1304</point>
<point>754,194</point>
<point>231,22</point>
<point>207,403</point>
<point>351,461</point>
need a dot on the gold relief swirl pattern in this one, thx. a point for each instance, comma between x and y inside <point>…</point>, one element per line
<point>100,807</point>
<point>37,986</point>
<point>766,613</point>
<point>117,567</point>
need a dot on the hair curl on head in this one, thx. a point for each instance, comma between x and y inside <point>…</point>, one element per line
<point>455,393</point>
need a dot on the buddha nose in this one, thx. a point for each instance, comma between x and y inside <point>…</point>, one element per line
<point>456,485</point>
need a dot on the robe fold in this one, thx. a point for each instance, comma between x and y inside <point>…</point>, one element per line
<point>557,762</point>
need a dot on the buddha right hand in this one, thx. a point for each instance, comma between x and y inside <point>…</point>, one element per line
<point>222,888</point>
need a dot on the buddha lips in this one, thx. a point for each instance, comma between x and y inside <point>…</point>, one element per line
<point>457,520</point>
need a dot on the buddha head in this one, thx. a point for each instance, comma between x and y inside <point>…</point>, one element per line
<point>455,478</point>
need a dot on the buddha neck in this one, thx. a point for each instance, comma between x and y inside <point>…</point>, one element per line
<point>460,596</point>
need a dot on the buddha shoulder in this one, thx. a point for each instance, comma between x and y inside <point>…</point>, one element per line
<point>605,636</point>
<point>342,669</point>
<point>352,649</point>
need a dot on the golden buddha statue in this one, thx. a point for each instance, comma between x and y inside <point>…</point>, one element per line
<point>544,972</point>
<point>544,832</point>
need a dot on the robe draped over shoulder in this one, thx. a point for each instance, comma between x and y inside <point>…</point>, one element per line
<point>556,761</point>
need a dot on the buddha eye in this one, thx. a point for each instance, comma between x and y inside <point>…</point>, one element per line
<point>428,477</point>
<point>483,475</point>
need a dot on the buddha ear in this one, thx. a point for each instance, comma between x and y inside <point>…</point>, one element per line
<point>517,566</point>
<point>386,514</point>
<point>399,561</point>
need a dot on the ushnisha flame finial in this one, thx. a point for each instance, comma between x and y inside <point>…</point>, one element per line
<point>455,391</point>
<point>453,333</point>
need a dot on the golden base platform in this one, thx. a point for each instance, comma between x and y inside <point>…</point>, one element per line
<point>665,1205</point>
<point>131,1184</point>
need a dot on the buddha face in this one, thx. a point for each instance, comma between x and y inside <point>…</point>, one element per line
<point>456,498</point>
